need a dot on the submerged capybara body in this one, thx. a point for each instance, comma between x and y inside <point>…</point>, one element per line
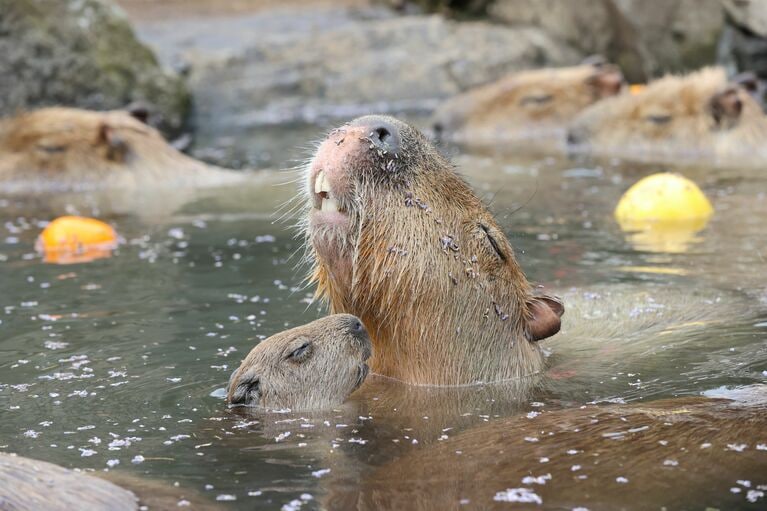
<point>684,453</point>
<point>400,240</point>
<point>55,148</point>
<point>526,105</point>
<point>313,366</point>
<point>700,116</point>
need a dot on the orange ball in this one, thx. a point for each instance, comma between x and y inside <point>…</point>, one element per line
<point>76,239</point>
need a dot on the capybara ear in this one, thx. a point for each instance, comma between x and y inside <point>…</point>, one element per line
<point>243,389</point>
<point>545,312</point>
<point>748,80</point>
<point>139,111</point>
<point>725,105</point>
<point>117,148</point>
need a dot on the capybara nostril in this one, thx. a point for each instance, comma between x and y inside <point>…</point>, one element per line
<point>383,134</point>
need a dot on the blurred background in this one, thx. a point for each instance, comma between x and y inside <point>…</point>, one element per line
<point>222,71</point>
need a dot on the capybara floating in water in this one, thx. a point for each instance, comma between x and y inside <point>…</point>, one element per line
<point>400,240</point>
<point>684,453</point>
<point>309,367</point>
<point>526,106</point>
<point>700,116</point>
<point>68,148</point>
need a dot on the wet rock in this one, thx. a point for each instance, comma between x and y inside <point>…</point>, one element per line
<point>30,485</point>
<point>81,53</point>
<point>303,66</point>
<point>744,42</point>
<point>645,37</point>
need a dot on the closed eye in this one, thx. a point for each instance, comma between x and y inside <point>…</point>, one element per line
<point>301,353</point>
<point>493,242</point>
<point>658,119</point>
<point>536,100</point>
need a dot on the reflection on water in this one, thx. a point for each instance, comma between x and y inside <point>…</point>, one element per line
<point>111,365</point>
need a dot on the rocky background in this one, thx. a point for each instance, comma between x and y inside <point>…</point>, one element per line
<point>221,69</point>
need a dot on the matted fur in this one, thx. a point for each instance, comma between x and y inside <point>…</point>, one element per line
<point>422,262</point>
<point>331,367</point>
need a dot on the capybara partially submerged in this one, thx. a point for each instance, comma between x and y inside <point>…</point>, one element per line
<point>32,485</point>
<point>309,367</point>
<point>68,148</point>
<point>400,240</point>
<point>527,105</point>
<point>700,116</point>
<point>684,453</point>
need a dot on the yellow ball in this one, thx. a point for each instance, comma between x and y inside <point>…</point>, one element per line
<point>663,213</point>
<point>664,197</point>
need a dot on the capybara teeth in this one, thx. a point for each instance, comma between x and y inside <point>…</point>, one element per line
<point>330,205</point>
<point>321,183</point>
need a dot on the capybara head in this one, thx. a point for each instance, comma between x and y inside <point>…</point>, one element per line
<point>399,239</point>
<point>701,114</point>
<point>309,367</point>
<point>74,146</point>
<point>527,104</point>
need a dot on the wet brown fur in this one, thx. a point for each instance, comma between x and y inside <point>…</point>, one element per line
<point>697,116</point>
<point>678,453</point>
<point>70,148</point>
<point>419,266</point>
<point>526,105</point>
<point>330,367</point>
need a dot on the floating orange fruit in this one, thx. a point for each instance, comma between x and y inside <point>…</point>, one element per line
<point>76,239</point>
<point>636,88</point>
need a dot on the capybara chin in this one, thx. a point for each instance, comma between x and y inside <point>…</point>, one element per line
<point>59,148</point>
<point>535,104</point>
<point>397,238</point>
<point>700,116</point>
<point>309,367</point>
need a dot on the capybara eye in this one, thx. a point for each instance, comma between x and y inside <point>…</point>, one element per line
<point>536,99</point>
<point>658,119</point>
<point>302,353</point>
<point>493,242</point>
<point>51,149</point>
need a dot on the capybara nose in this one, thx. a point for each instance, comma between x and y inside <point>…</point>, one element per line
<point>382,133</point>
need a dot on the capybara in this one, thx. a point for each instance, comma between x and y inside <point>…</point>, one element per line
<point>68,148</point>
<point>397,238</point>
<point>313,366</point>
<point>700,116</point>
<point>32,485</point>
<point>682,453</point>
<point>527,105</point>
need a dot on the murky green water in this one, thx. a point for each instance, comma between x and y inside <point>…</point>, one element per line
<point>111,364</point>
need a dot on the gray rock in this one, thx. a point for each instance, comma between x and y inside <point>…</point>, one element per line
<point>286,65</point>
<point>81,53</point>
<point>645,37</point>
<point>743,46</point>
<point>32,485</point>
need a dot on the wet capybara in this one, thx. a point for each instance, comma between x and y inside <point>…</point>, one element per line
<point>397,238</point>
<point>68,148</point>
<point>527,105</point>
<point>32,485</point>
<point>683,453</point>
<point>700,116</point>
<point>310,367</point>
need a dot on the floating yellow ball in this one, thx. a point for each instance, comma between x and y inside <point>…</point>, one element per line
<point>75,239</point>
<point>663,212</point>
<point>636,88</point>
